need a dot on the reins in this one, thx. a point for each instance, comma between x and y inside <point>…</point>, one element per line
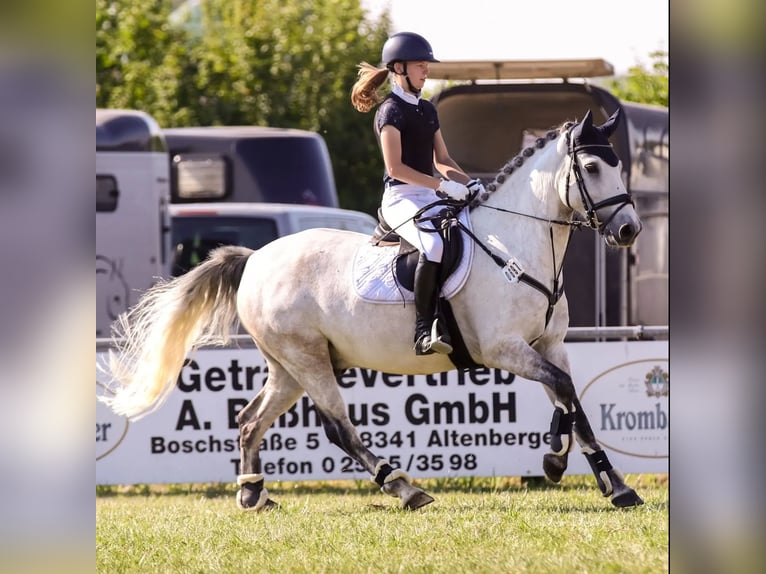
<point>511,269</point>
<point>454,207</point>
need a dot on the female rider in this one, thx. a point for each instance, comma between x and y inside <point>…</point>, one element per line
<point>407,129</point>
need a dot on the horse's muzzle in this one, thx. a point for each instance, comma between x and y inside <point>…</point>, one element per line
<point>624,236</point>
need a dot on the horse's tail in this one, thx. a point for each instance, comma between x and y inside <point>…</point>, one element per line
<point>173,317</point>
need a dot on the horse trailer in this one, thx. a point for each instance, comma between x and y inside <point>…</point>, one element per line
<point>503,107</point>
<point>220,179</point>
<point>132,221</point>
<point>249,164</point>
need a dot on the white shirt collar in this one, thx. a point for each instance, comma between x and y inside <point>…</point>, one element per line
<point>406,96</point>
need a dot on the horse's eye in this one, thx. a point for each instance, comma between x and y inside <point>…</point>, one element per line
<point>591,167</point>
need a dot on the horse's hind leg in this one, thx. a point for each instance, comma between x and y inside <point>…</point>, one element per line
<point>278,394</point>
<point>341,432</point>
<point>315,374</point>
<point>610,479</point>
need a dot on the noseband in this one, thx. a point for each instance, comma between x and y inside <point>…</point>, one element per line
<point>591,208</point>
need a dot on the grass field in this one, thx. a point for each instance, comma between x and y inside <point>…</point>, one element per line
<point>474,526</point>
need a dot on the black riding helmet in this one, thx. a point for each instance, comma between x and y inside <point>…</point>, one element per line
<point>407,47</point>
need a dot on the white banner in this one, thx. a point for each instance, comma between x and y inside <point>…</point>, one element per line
<point>484,422</point>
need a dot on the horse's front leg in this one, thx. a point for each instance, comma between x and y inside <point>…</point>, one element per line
<point>562,438</point>
<point>609,479</point>
<point>518,357</point>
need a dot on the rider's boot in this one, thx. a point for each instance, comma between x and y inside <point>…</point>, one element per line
<point>430,337</point>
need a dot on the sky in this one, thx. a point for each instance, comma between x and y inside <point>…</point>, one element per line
<point>622,32</point>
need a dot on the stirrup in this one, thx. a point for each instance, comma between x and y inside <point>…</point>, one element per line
<point>423,345</point>
<point>429,343</point>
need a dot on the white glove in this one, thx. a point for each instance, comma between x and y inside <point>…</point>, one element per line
<point>453,189</point>
<point>476,187</point>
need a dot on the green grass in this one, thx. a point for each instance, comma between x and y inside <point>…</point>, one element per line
<point>475,526</point>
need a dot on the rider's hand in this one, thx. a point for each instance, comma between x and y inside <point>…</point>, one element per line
<point>476,187</point>
<point>453,189</point>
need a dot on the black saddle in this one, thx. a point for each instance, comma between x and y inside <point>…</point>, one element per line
<point>407,258</point>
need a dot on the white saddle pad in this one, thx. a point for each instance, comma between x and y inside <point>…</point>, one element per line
<point>373,272</point>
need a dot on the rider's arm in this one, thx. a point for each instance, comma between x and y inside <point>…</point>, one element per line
<point>444,163</point>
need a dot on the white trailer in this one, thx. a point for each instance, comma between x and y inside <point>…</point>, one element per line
<point>132,221</point>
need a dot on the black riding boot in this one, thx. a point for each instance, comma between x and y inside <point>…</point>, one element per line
<point>429,335</point>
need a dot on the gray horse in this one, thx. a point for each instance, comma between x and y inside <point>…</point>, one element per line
<point>295,297</point>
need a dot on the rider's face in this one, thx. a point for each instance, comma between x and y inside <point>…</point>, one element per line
<point>417,72</point>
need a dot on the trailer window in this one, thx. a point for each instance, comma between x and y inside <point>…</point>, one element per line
<point>107,193</point>
<point>200,176</point>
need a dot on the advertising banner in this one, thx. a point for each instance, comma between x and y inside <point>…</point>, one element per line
<point>482,422</point>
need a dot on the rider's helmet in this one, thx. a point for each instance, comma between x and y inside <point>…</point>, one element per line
<point>407,47</point>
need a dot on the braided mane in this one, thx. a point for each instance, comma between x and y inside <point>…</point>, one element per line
<point>517,161</point>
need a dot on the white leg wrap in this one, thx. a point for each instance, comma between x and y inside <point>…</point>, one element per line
<point>245,478</point>
<point>397,473</point>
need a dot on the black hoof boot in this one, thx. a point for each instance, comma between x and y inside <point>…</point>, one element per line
<point>252,496</point>
<point>554,466</point>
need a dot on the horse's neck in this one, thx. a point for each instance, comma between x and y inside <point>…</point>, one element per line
<point>532,191</point>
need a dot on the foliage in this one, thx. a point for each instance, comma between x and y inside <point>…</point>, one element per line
<point>644,86</point>
<point>138,56</point>
<point>495,525</point>
<point>282,63</point>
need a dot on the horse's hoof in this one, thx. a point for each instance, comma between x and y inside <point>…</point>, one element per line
<point>418,499</point>
<point>554,466</point>
<point>412,497</point>
<point>627,499</point>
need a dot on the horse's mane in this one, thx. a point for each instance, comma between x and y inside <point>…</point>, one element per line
<point>517,161</point>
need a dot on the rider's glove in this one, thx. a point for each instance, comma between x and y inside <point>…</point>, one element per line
<point>453,189</point>
<point>476,187</point>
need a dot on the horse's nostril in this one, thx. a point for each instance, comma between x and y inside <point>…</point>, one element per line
<point>626,232</point>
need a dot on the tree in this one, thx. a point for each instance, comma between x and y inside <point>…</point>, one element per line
<point>138,55</point>
<point>284,63</point>
<point>644,86</point>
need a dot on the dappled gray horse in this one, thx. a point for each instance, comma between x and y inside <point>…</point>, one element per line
<point>295,297</point>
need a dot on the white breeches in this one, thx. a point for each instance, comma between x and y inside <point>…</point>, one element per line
<point>399,204</point>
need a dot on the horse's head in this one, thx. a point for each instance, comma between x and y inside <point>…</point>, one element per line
<point>593,185</point>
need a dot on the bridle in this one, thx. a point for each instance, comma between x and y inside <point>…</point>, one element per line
<point>591,208</point>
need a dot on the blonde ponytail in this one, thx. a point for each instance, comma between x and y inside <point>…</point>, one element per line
<point>364,94</point>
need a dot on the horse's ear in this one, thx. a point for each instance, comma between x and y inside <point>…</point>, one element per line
<point>608,127</point>
<point>587,121</point>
